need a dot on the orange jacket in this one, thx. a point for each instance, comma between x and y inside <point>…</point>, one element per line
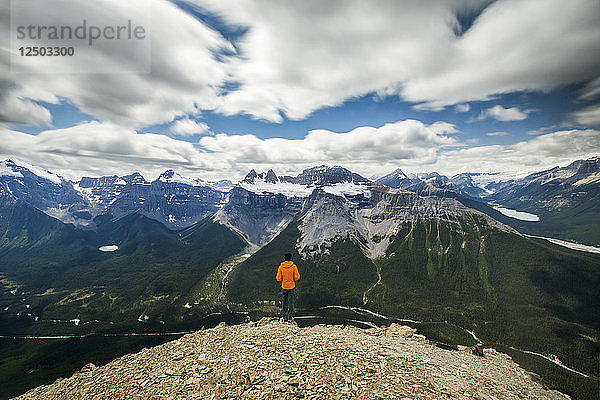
<point>287,274</point>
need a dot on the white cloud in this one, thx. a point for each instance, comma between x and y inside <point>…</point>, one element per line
<point>402,140</point>
<point>538,131</point>
<point>503,114</point>
<point>184,77</point>
<point>297,57</point>
<point>21,111</point>
<point>101,148</point>
<point>591,90</point>
<point>462,107</point>
<point>589,116</point>
<point>188,127</point>
<point>301,56</point>
<point>519,159</point>
<point>95,148</point>
<point>500,133</point>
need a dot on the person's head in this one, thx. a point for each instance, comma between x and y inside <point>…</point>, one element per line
<point>288,256</point>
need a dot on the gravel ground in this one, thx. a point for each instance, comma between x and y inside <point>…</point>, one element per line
<point>273,360</point>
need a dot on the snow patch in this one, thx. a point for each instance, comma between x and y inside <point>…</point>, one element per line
<point>143,318</point>
<point>52,177</point>
<point>174,177</point>
<point>5,170</point>
<point>260,186</point>
<point>347,189</point>
<point>110,247</point>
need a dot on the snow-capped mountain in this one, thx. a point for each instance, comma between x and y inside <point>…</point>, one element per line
<point>561,202</point>
<point>172,199</point>
<point>551,189</point>
<point>263,204</point>
<point>398,179</point>
<point>425,183</point>
<point>44,190</point>
<point>544,188</point>
<point>374,221</point>
<point>329,203</point>
<point>474,185</point>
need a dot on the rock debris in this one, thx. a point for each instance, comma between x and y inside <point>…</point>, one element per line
<point>268,359</point>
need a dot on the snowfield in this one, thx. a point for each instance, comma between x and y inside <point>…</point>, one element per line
<point>285,188</point>
<point>347,189</point>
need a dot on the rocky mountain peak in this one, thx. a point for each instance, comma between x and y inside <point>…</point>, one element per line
<point>398,173</point>
<point>398,179</point>
<point>586,167</point>
<point>325,175</point>
<point>250,177</point>
<point>463,180</point>
<point>168,174</point>
<point>433,177</point>
<point>271,177</point>
<point>135,179</point>
<point>22,169</point>
<point>109,180</point>
<point>268,359</point>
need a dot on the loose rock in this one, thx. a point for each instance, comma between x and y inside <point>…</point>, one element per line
<point>273,360</point>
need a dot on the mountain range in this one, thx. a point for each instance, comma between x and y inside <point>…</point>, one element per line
<point>115,251</point>
<point>562,202</point>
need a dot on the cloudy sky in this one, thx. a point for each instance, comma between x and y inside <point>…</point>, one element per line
<point>453,86</point>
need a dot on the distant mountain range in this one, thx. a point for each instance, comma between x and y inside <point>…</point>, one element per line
<point>173,200</point>
<point>123,249</point>
<point>565,199</point>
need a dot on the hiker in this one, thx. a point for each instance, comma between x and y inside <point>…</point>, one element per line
<point>287,274</point>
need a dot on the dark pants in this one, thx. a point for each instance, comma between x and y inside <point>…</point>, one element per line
<point>287,304</point>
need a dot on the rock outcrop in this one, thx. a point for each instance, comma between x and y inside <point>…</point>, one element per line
<point>272,360</point>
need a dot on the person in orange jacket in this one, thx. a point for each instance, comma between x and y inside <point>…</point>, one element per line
<point>287,274</point>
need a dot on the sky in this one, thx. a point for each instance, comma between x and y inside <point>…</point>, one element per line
<point>220,87</point>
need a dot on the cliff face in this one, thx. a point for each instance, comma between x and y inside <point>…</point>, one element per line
<point>272,360</point>
<point>375,217</point>
<point>258,217</point>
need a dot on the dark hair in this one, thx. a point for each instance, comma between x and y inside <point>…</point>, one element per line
<point>288,256</point>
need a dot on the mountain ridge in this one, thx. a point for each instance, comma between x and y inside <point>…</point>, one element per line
<point>178,201</point>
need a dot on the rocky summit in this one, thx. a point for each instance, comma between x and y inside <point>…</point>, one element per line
<point>273,360</point>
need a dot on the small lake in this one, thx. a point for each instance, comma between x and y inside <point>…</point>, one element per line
<point>520,215</point>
